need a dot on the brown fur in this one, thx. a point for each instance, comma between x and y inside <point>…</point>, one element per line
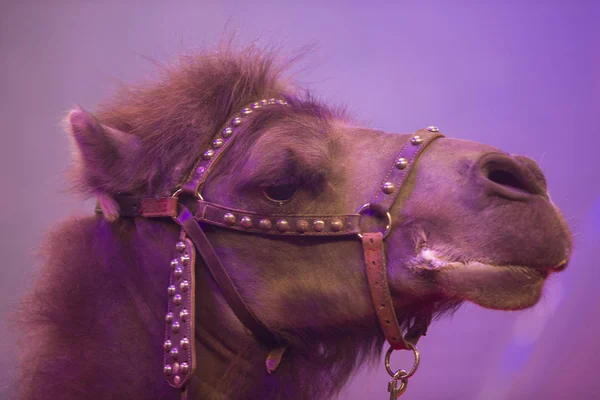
<point>95,318</point>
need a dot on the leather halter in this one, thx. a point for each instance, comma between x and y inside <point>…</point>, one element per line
<point>179,333</point>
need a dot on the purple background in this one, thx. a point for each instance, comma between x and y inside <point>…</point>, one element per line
<point>520,75</point>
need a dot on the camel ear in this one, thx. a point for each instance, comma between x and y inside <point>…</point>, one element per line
<point>100,153</point>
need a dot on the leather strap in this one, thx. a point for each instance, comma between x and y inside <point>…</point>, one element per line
<point>221,143</point>
<point>218,272</point>
<point>404,162</point>
<point>180,357</point>
<point>380,291</point>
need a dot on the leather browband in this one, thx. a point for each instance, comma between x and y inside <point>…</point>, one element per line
<point>252,222</point>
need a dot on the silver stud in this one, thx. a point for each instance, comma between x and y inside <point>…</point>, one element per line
<point>184,286</point>
<point>246,222</point>
<point>227,132</point>
<point>246,112</point>
<point>236,121</point>
<point>174,263</point>
<point>319,225</point>
<point>174,353</point>
<point>177,379</point>
<point>184,314</point>
<point>176,367</point>
<point>180,246</point>
<point>167,369</point>
<point>184,343</point>
<point>388,188</point>
<point>169,317</point>
<point>337,225</point>
<point>432,128</point>
<point>283,225</point>
<point>171,290</point>
<point>178,272</point>
<point>185,368</point>
<point>401,163</point>
<point>217,143</point>
<point>256,106</point>
<point>208,154</point>
<point>265,224</point>
<point>282,102</point>
<point>167,345</point>
<point>416,140</point>
<point>185,260</point>
<point>175,327</point>
<point>272,101</point>
<point>177,299</point>
<point>264,102</point>
<point>301,226</point>
<point>229,218</point>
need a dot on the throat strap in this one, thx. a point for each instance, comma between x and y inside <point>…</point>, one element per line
<point>219,274</point>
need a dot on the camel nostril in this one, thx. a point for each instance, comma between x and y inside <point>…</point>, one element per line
<point>506,178</point>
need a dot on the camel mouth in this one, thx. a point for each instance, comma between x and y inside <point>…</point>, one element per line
<point>500,287</point>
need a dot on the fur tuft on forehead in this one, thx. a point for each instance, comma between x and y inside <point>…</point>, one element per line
<point>174,118</point>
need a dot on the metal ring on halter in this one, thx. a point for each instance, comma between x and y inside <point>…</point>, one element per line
<point>176,194</point>
<point>410,373</point>
<point>388,226</point>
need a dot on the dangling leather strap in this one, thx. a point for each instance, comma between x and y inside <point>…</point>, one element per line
<point>186,219</point>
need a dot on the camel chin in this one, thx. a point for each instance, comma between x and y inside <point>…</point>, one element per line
<point>498,287</point>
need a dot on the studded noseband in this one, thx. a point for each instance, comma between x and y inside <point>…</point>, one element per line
<point>179,355</point>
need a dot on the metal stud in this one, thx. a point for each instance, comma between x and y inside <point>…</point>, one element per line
<point>416,140</point>
<point>236,121</point>
<point>174,353</point>
<point>167,345</point>
<point>264,102</point>
<point>171,290</point>
<point>319,225</point>
<point>184,343</point>
<point>337,225</point>
<point>246,222</point>
<point>256,106</point>
<point>178,272</point>
<point>177,299</point>
<point>208,154</point>
<point>283,225</point>
<point>169,317</point>
<point>177,379</point>
<point>282,102</point>
<point>185,368</point>
<point>184,286</point>
<point>272,101</point>
<point>401,163</point>
<point>229,218</point>
<point>227,132</point>
<point>175,327</point>
<point>217,143</point>
<point>388,188</point>
<point>301,226</point>
<point>185,260</point>
<point>174,263</point>
<point>184,314</point>
<point>265,224</point>
<point>180,246</point>
<point>167,369</point>
<point>176,367</point>
<point>432,128</point>
<point>246,112</point>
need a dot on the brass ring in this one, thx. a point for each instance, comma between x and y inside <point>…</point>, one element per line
<point>414,368</point>
<point>388,225</point>
<point>179,191</point>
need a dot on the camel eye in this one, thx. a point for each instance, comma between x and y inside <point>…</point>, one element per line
<point>280,193</point>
